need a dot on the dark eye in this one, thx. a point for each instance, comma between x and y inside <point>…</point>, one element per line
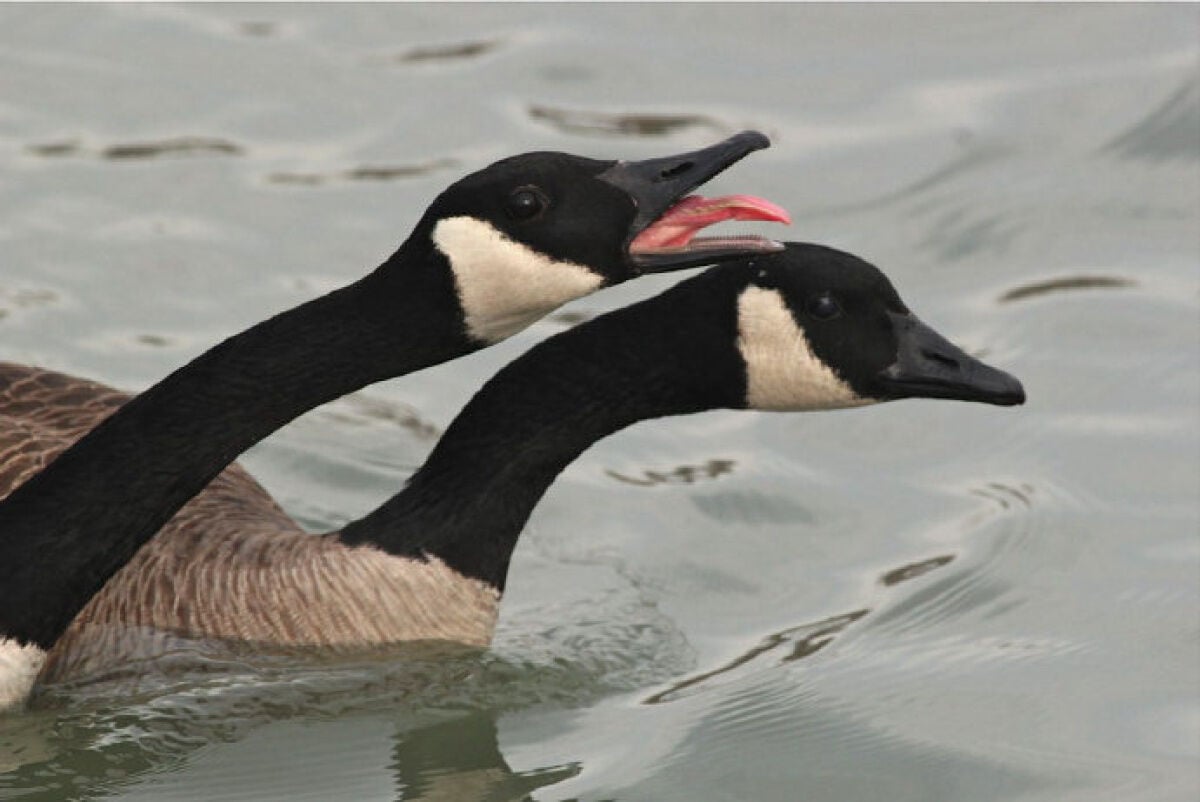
<point>824,307</point>
<point>525,203</point>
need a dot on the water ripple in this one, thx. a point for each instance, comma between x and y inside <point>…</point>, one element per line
<point>1171,131</point>
<point>459,51</point>
<point>918,189</point>
<point>363,173</point>
<point>1063,284</point>
<point>138,720</point>
<point>180,146</point>
<point>258,29</point>
<point>131,151</point>
<point>22,298</point>
<point>753,507</point>
<point>680,475</point>
<point>804,640</point>
<point>363,410</point>
<point>913,570</point>
<point>974,586</point>
<point>571,317</point>
<point>960,232</point>
<point>573,121</point>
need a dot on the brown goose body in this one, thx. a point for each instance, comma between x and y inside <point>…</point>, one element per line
<point>231,564</point>
<point>809,328</point>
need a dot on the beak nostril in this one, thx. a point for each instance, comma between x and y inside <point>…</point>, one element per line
<point>677,169</point>
<point>941,359</point>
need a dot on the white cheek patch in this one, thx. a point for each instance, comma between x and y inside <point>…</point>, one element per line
<point>504,286</point>
<point>19,667</point>
<point>782,372</point>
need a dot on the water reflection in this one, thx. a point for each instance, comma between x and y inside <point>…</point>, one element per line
<point>107,733</point>
<point>913,570</point>
<point>449,761</point>
<point>449,52</point>
<point>1037,288</point>
<point>460,760</point>
<point>360,409</point>
<point>570,121</point>
<point>129,151</point>
<point>805,640</point>
<point>180,146</point>
<point>997,657</point>
<point>571,317</point>
<point>680,475</point>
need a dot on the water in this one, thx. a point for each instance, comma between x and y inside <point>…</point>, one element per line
<point>913,602</point>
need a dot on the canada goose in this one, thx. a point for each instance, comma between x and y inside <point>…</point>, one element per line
<point>807,329</point>
<point>493,252</point>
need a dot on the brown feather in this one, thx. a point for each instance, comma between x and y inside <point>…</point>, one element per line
<point>231,564</point>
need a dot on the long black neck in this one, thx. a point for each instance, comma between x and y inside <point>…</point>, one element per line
<point>468,503</point>
<point>69,528</point>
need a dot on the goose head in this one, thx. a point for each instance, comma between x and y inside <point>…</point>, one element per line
<point>532,232</point>
<point>818,328</point>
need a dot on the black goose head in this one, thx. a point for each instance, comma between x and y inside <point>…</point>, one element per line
<point>821,329</point>
<point>531,232</point>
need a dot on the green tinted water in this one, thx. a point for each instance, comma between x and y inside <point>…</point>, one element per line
<point>913,602</point>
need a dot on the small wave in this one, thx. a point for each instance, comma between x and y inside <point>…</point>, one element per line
<point>132,151</point>
<point>754,507</point>
<point>1169,132</point>
<point>134,722</point>
<point>804,640</point>
<point>961,232</point>
<point>570,318</point>
<point>258,29</point>
<point>448,52</point>
<point>976,586</point>
<point>681,475</point>
<point>51,150</point>
<point>180,146</point>
<point>571,121</point>
<point>913,570</point>
<point>1063,284</point>
<point>362,173</point>
<point>1006,496</point>
<point>21,298</point>
<point>921,189</point>
<point>362,410</point>
<point>154,340</point>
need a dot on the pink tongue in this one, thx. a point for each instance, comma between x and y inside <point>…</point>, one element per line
<point>681,222</point>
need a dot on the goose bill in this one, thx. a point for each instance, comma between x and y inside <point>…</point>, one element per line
<point>930,366</point>
<point>671,242</point>
<point>662,235</point>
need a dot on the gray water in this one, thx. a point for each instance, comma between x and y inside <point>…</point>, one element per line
<point>920,601</point>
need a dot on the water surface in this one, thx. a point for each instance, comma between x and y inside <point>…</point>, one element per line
<point>913,602</point>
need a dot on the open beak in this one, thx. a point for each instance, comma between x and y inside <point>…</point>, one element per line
<point>929,366</point>
<point>663,234</point>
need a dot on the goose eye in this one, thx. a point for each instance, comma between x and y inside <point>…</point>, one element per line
<point>526,203</point>
<point>824,307</point>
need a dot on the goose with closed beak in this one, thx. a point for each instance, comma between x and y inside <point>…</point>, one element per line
<point>810,328</point>
<point>495,251</point>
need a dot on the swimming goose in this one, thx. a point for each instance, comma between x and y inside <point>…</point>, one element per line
<point>810,328</point>
<point>493,252</point>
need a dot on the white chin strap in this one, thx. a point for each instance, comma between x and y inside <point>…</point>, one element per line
<point>503,286</point>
